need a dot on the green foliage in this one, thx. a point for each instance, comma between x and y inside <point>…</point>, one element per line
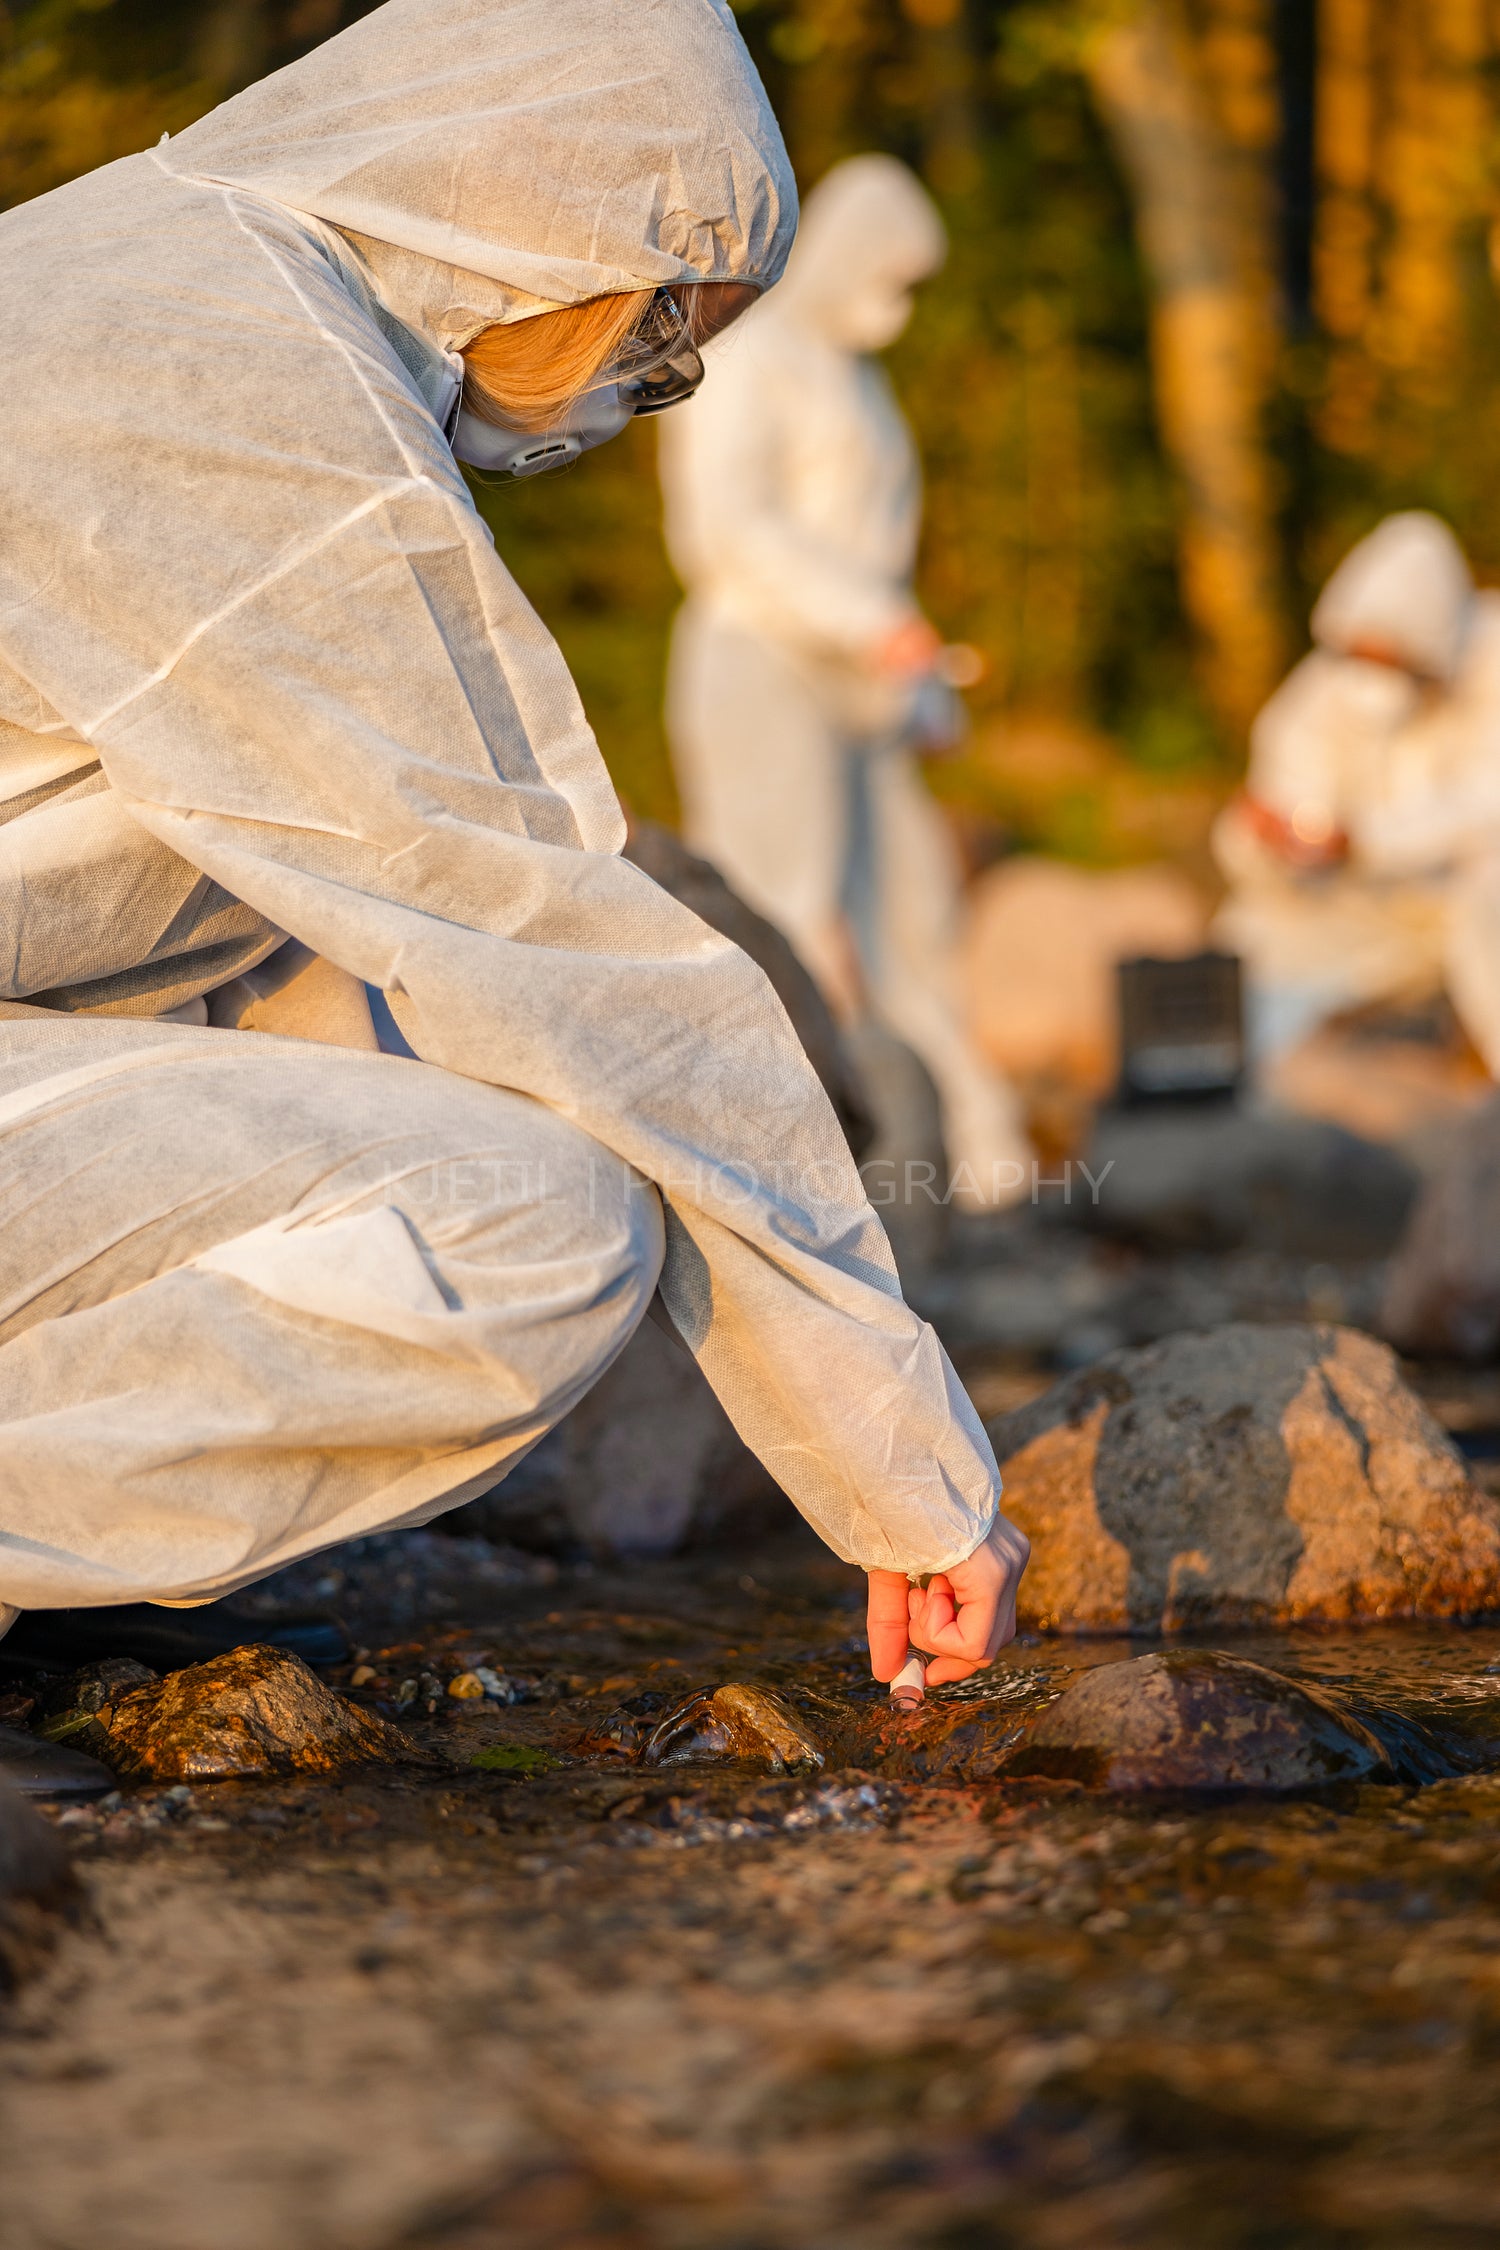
<point>85,81</point>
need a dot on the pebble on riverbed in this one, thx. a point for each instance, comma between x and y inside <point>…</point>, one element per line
<point>485,1684</point>
<point>749,1723</point>
<point>853,1802</point>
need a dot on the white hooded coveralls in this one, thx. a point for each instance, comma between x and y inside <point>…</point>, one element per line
<point>793,507</point>
<point>263,678</point>
<point>1397,749</point>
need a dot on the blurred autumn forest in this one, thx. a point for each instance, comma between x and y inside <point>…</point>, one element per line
<point>1223,291</point>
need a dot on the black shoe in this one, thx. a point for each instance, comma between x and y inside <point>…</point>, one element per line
<point>47,1769</point>
<point>62,1640</point>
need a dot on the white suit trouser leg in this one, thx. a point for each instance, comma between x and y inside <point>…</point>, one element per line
<point>761,775</point>
<point>258,1296</point>
<point>908,941</point>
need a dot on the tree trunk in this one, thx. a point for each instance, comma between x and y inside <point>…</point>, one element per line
<point>949,73</point>
<point>1344,243</point>
<point>1209,343</point>
<point>1435,172</point>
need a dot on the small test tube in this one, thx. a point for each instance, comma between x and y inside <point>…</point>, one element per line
<point>909,1687</point>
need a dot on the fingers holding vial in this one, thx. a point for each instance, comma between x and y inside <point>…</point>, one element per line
<point>955,1623</point>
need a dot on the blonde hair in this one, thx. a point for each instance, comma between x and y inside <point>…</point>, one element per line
<point>525,374</point>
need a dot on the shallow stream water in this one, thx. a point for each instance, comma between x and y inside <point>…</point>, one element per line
<point>558,2000</point>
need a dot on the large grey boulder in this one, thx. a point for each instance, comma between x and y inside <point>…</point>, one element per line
<point>1243,1476</point>
<point>1442,1294</point>
<point>1209,1177</point>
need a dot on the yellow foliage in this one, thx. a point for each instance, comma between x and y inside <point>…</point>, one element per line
<point>1406,141</point>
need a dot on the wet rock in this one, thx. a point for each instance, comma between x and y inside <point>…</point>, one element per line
<point>255,1711</point>
<point>621,1734</point>
<point>94,1686</point>
<point>1190,1719</point>
<point>750,1723</point>
<point>1242,1476</point>
<point>37,1887</point>
<point>757,1723</point>
<point>964,1737</point>
<point>56,1771</point>
<point>1183,1177</point>
<point>1442,1295</point>
<point>72,1708</point>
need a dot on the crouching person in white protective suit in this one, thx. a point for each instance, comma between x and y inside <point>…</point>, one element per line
<point>803,674</point>
<point>279,731</point>
<point>1364,856</point>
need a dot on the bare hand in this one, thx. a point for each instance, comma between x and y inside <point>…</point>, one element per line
<point>1301,840</point>
<point>961,1618</point>
<point>907,650</point>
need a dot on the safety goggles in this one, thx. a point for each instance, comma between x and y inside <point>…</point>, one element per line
<point>658,364</point>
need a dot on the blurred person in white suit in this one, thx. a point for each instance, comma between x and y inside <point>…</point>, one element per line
<point>804,675</point>
<point>1363,856</point>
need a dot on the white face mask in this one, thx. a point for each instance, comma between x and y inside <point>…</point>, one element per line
<point>871,315</point>
<point>658,368</point>
<point>592,420</point>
